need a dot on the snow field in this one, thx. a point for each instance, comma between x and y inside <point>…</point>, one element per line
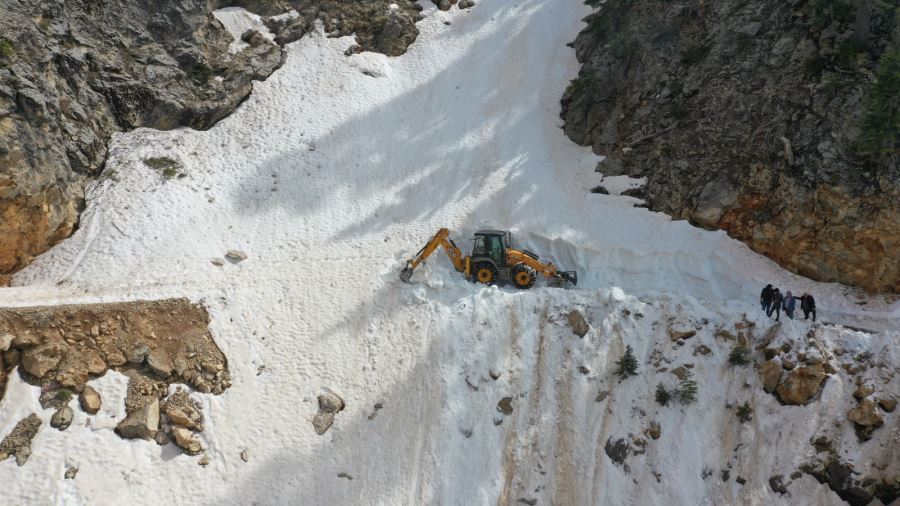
<point>332,173</point>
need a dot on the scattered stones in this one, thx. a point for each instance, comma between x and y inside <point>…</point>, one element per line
<point>654,430</point>
<point>740,480</point>
<point>18,442</point>
<point>375,409</point>
<point>204,460</point>
<point>161,438</point>
<point>788,365</point>
<point>601,396</point>
<point>245,455</point>
<point>90,401</point>
<point>702,350</point>
<point>770,374</point>
<point>62,419</point>
<point>217,262</point>
<point>70,473</point>
<point>583,370</point>
<point>235,255</point>
<point>346,476</point>
<point>675,335</point>
<point>801,385</point>
<point>141,423</point>
<point>329,405</point>
<point>494,375</point>
<point>578,323</point>
<point>182,411</point>
<point>888,404</point>
<point>186,440</point>
<point>505,406</point>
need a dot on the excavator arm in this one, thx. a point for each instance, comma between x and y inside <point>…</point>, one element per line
<point>546,268</point>
<point>440,239</point>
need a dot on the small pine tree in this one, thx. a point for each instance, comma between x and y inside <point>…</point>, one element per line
<point>662,395</point>
<point>686,391</point>
<point>739,355</point>
<point>745,412</point>
<point>881,121</point>
<point>627,365</point>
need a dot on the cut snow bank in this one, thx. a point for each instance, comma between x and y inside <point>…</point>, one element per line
<point>331,173</point>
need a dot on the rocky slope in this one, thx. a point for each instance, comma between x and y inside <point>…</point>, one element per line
<point>73,73</point>
<point>766,119</point>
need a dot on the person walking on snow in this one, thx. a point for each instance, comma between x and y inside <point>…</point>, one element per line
<point>808,305</point>
<point>777,300</point>
<point>790,302</point>
<point>765,298</point>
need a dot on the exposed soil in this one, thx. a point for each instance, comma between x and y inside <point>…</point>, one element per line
<point>155,343</point>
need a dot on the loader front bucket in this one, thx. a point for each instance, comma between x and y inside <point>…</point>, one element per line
<point>406,274</point>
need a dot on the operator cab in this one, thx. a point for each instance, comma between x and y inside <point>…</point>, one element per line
<point>492,244</point>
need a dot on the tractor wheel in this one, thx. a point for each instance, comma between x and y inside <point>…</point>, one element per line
<point>485,273</point>
<point>523,276</point>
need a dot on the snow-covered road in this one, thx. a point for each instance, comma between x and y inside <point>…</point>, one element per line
<point>328,176</point>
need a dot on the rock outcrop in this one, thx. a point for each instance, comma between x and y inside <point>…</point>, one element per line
<point>762,118</point>
<point>73,73</point>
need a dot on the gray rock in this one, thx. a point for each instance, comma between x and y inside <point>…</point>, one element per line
<point>62,418</point>
<point>236,255</point>
<point>159,363</point>
<point>70,473</point>
<point>137,354</point>
<point>141,423</point>
<point>329,404</point>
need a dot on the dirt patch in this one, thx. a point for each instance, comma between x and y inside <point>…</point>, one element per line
<point>164,341</point>
<point>153,343</point>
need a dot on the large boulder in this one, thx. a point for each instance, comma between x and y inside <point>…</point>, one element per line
<point>40,360</point>
<point>770,374</point>
<point>141,423</point>
<point>578,323</point>
<point>801,385</point>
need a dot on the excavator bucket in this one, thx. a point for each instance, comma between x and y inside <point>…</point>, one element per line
<point>406,274</point>
<point>570,276</point>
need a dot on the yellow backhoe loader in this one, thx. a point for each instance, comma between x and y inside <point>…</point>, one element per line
<point>492,260</point>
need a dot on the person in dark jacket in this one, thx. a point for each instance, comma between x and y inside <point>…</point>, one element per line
<point>765,298</point>
<point>790,303</point>
<point>808,305</point>
<point>777,301</point>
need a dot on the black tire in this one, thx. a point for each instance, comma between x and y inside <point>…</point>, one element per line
<point>523,276</point>
<point>484,272</point>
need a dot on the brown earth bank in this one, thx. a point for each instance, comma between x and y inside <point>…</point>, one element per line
<point>775,121</point>
<point>153,343</point>
<point>72,73</point>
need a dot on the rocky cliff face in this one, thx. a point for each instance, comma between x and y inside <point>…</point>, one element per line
<point>766,119</point>
<point>72,73</point>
